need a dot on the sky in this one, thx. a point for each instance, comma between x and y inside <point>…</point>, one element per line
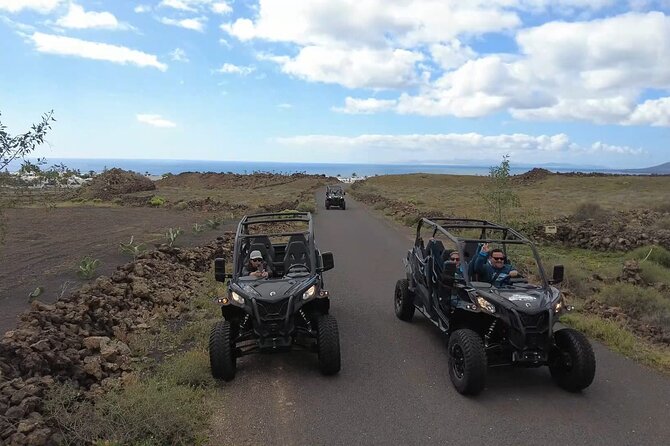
<point>579,82</point>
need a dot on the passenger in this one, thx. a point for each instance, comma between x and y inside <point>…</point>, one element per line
<point>257,266</point>
<point>495,270</point>
<point>455,257</point>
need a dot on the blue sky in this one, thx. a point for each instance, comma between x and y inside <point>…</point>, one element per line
<point>435,81</point>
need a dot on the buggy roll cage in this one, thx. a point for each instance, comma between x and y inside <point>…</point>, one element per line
<point>242,233</point>
<point>509,237</point>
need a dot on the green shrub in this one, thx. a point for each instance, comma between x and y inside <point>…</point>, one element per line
<point>306,207</point>
<point>645,304</point>
<point>652,253</point>
<point>198,228</point>
<point>132,248</point>
<point>154,412</point>
<point>172,234</point>
<point>652,272</point>
<point>189,369</point>
<point>589,210</point>
<point>182,205</point>
<point>157,201</point>
<point>87,267</point>
<point>97,200</point>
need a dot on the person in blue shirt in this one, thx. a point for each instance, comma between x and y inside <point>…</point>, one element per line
<point>491,267</point>
<point>455,258</point>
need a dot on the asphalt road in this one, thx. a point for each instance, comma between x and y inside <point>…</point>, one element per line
<point>394,386</point>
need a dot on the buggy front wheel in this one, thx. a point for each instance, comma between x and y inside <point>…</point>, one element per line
<point>222,359</point>
<point>403,301</point>
<point>573,365</point>
<point>328,344</point>
<point>467,361</point>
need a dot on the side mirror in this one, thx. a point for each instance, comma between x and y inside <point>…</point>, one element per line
<point>220,270</point>
<point>558,274</point>
<point>327,261</point>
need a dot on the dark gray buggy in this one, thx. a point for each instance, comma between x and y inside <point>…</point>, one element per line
<point>335,197</point>
<point>512,324</point>
<point>286,311</point>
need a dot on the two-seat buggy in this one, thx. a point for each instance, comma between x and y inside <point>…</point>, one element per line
<point>284,311</point>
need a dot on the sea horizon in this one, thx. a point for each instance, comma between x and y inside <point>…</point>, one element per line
<point>346,170</point>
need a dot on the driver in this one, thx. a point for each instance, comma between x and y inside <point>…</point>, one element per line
<point>495,270</point>
<point>257,266</point>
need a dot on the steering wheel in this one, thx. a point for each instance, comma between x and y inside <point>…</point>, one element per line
<point>300,268</point>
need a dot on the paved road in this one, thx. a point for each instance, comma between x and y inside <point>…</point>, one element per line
<point>394,386</point>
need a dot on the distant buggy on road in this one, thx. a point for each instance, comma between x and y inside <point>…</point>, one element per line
<point>288,309</point>
<point>512,324</point>
<point>335,197</point>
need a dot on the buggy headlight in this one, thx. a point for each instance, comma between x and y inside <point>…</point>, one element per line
<point>311,292</point>
<point>486,305</point>
<point>237,298</point>
<point>559,306</point>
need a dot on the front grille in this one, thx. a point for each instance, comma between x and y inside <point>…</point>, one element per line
<point>272,310</point>
<point>537,321</point>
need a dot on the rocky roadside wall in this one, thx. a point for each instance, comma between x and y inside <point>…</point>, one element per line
<point>81,338</point>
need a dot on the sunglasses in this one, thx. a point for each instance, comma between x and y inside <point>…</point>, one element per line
<point>455,258</point>
<point>256,260</point>
<point>498,258</point>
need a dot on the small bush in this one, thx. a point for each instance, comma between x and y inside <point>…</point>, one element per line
<point>154,412</point>
<point>132,248</point>
<point>306,207</point>
<point>189,369</point>
<point>87,267</point>
<point>590,211</point>
<point>117,201</point>
<point>198,228</point>
<point>157,201</point>
<point>656,254</point>
<point>645,304</point>
<point>652,272</point>
<point>182,205</point>
<point>97,200</point>
<point>172,234</point>
<point>213,223</point>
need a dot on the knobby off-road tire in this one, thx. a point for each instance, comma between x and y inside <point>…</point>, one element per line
<point>403,301</point>
<point>344,206</point>
<point>328,344</point>
<point>467,361</point>
<point>574,364</point>
<point>222,358</point>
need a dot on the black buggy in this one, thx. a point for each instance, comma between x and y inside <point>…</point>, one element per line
<point>512,324</point>
<point>335,197</point>
<point>285,311</point>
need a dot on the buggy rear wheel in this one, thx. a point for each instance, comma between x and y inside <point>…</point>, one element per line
<point>403,301</point>
<point>573,365</point>
<point>344,205</point>
<point>467,361</point>
<point>222,358</point>
<point>328,344</point>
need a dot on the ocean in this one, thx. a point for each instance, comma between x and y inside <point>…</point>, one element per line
<point>160,167</point>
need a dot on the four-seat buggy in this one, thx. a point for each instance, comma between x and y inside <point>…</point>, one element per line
<point>285,311</point>
<point>335,197</point>
<point>512,324</point>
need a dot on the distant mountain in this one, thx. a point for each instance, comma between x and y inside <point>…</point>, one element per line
<point>661,169</point>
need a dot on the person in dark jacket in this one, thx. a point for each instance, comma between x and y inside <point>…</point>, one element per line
<point>257,267</point>
<point>490,266</point>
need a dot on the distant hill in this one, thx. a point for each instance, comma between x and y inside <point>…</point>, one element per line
<point>661,169</point>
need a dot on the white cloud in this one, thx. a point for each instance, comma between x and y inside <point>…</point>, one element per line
<point>68,46</point>
<point>77,18</point>
<point>284,106</point>
<point>155,120</point>
<point>179,55</point>
<point>453,146</point>
<point>41,6</point>
<point>141,9</point>
<point>654,112</point>
<point>216,6</point>
<point>228,68</point>
<point>353,68</point>
<point>365,106</point>
<point>194,24</point>
<point>221,8</point>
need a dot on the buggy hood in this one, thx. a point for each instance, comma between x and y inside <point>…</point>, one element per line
<point>526,298</point>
